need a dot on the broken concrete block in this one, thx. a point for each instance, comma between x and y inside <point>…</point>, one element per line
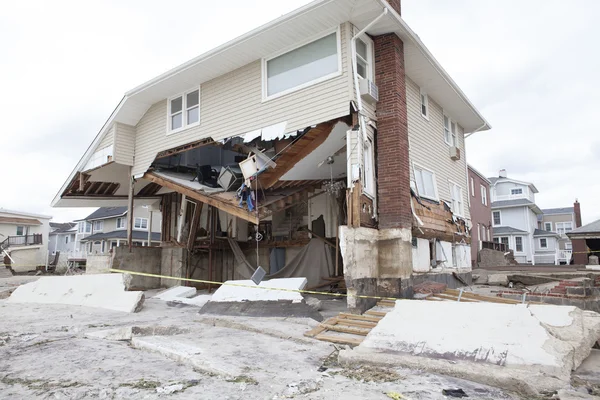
<point>526,349</point>
<point>121,334</point>
<point>175,293</point>
<point>246,290</point>
<point>101,291</point>
<point>313,303</point>
<point>497,280</point>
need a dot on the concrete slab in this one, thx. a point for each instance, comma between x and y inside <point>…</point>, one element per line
<point>176,293</point>
<point>101,291</point>
<point>281,308</point>
<point>527,349</point>
<point>589,370</point>
<point>247,290</point>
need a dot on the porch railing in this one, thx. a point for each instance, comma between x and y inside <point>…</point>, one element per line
<point>24,240</point>
<point>563,255</point>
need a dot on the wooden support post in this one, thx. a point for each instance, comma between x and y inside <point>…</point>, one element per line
<point>181,217</point>
<point>337,250</point>
<point>130,211</point>
<point>195,225</point>
<point>150,228</point>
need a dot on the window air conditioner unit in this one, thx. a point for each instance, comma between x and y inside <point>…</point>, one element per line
<point>368,90</point>
<point>454,153</point>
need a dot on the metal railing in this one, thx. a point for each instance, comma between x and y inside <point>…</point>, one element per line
<point>494,246</point>
<point>23,240</point>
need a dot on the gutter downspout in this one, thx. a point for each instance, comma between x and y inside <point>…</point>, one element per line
<point>361,118</point>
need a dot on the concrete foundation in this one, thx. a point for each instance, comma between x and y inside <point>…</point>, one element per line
<point>479,340</point>
<point>139,259</point>
<point>376,263</point>
<point>172,263</point>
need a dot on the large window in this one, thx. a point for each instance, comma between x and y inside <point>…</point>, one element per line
<point>98,226</point>
<point>84,227</point>
<point>121,223</point>
<point>140,223</point>
<point>483,195</point>
<point>496,218</point>
<point>543,243</point>
<point>564,227</point>
<point>303,66</point>
<point>184,110</point>
<point>426,186</point>
<point>364,58</point>
<point>449,131</point>
<point>457,199</point>
<point>519,244</point>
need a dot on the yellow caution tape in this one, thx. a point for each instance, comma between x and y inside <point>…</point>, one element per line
<point>122,271</point>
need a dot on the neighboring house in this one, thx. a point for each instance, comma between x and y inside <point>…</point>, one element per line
<point>23,239</point>
<point>336,116</point>
<point>585,239</point>
<point>106,228</point>
<point>481,213</point>
<point>561,221</point>
<point>62,237</point>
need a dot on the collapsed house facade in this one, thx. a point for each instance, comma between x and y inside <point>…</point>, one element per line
<point>327,142</point>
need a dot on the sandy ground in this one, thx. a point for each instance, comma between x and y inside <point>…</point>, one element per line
<point>46,353</point>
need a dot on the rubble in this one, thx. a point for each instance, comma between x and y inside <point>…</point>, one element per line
<point>242,290</point>
<point>102,291</point>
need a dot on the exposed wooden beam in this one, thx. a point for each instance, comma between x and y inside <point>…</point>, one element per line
<point>195,225</point>
<point>230,208</point>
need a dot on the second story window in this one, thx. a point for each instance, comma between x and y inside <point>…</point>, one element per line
<point>516,191</point>
<point>303,66</point>
<point>20,230</point>
<point>548,226</point>
<point>424,105</point>
<point>184,110</point>
<point>456,193</point>
<point>496,218</point>
<point>84,227</point>
<point>449,131</point>
<point>472,187</point>
<point>483,195</point>
<point>364,58</point>
<point>98,226</point>
<point>564,227</point>
<point>121,223</point>
<point>426,185</point>
<point>140,223</point>
<point>543,243</point>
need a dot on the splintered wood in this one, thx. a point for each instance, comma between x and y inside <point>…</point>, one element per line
<point>351,329</point>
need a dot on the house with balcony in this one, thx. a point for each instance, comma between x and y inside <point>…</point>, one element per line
<point>106,228</point>
<point>23,240</point>
<point>533,236</point>
<point>61,238</point>
<point>332,121</point>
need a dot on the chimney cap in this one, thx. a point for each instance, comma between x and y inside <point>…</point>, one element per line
<point>502,173</point>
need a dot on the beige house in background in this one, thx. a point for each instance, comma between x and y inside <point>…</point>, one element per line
<point>23,239</point>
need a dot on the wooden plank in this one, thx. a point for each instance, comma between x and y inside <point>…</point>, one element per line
<point>318,329</point>
<point>339,339</point>
<point>360,317</point>
<point>222,205</point>
<point>347,329</point>
<point>386,303</point>
<point>352,322</point>
<point>195,225</point>
<point>376,313</point>
<point>483,298</point>
<point>455,298</point>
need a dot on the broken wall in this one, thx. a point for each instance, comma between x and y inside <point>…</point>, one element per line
<point>139,259</point>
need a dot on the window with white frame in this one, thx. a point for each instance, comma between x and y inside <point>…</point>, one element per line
<point>369,167</point>
<point>141,223</point>
<point>121,223</point>
<point>496,217</point>
<point>184,110</point>
<point>548,226</point>
<point>456,193</point>
<point>568,246</point>
<point>303,66</point>
<point>364,57</point>
<point>20,230</point>
<point>543,243</point>
<point>516,191</point>
<point>472,187</point>
<point>426,185</point>
<point>449,131</point>
<point>519,244</point>
<point>564,227</point>
<point>84,227</point>
<point>424,105</point>
<point>496,240</point>
<point>483,195</point>
<point>504,240</point>
<point>98,226</point>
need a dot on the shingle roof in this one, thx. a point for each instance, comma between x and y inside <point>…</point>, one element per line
<point>541,232</point>
<point>592,227</point>
<point>122,234</point>
<point>106,212</point>
<point>508,203</point>
<point>62,227</point>
<point>499,230</point>
<point>563,210</point>
<point>493,180</point>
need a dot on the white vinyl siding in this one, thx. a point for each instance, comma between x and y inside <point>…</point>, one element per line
<point>232,105</point>
<point>428,148</point>
<point>124,144</point>
<point>107,140</point>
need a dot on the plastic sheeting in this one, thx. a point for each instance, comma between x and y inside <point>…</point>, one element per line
<point>313,262</point>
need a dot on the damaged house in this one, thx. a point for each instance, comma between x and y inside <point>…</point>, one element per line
<point>326,143</point>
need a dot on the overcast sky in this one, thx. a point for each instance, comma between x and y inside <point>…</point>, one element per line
<point>531,67</point>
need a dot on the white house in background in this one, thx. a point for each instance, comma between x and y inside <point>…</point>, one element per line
<point>515,217</point>
<point>106,228</point>
<point>23,239</point>
<point>62,237</point>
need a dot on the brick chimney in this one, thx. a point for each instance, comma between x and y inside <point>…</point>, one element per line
<point>577,211</point>
<point>395,5</point>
